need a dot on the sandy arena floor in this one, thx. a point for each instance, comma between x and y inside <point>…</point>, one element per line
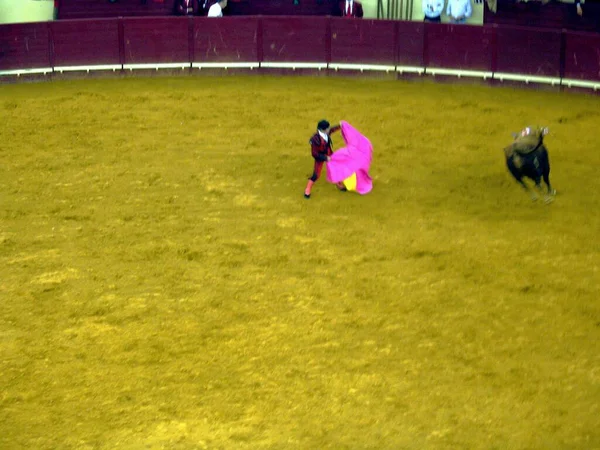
<point>163,283</point>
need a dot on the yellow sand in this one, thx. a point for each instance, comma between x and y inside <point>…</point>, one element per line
<point>164,284</point>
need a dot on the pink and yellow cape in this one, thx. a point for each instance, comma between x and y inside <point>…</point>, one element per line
<point>350,164</point>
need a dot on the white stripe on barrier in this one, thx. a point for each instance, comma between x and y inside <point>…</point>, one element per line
<point>458,73</point>
<point>501,76</point>
<point>526,78</point>
<point>226,65</point>
<point>595,85</point>
<point>293,65</point>
<point>410,69</point>
<point>361,67</point>
<point>112,67</point>
<point>157,66</point>
<point>19,72</point>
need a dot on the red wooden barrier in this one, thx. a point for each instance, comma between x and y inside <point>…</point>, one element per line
<point>294,39</point>
<point>547,54</point>
<point>93,42</point>
<point>158,40</point>
<point>582,56</point>
<point>410,40</point>
<point>225,40</point>
<point>363,41</point>
<point>528,51</point>
<point>25,46</point>
<point>461,47</point>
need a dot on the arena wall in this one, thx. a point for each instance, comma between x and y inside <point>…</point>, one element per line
<point>492,53</point>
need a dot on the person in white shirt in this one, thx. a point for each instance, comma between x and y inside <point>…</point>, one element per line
<point>216,10</point>
<point>433,10</point>
<point>459,10</point>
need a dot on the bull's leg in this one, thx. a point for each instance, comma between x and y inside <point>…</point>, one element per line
<point>518,176</point>
<point>551,190</point>
<point>539,188</point>
<point>532,194</point>
<point>548,195</point>
<point>546,174</point>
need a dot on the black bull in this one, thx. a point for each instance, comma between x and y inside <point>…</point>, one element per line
<point>532,163</point>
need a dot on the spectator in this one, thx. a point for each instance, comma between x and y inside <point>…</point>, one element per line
<point>203,6</point>
<point>589,10</point>
<point>433,10</point>
<point>216,10</point>
<point>459,10</point>
<point>186,7</point>
<point>350,8</point>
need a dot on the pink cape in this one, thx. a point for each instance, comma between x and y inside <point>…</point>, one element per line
<point>352,160</point>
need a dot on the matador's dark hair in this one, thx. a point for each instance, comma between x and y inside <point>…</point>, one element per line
<point>322,125</point>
